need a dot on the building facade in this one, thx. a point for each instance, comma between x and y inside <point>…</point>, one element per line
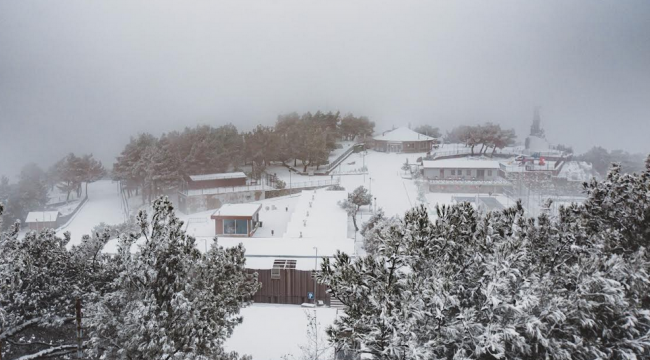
<point>403,140</point>
<point>237,220</point>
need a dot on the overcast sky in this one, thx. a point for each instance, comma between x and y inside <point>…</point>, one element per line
<point>83,76</point>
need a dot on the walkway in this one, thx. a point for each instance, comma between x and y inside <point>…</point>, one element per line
<point>104,205</point>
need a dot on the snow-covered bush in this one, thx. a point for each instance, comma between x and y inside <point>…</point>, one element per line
<point>503,285</point>
<point>280,184</point>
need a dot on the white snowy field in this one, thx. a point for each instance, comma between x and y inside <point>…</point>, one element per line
<point>271,331</point>
<point>384,179</point>
<point>103,205</point>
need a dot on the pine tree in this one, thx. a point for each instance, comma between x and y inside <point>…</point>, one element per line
<point>169,300</point>
<point>503,285</point>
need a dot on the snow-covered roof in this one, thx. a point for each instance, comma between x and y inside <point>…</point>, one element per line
<point>282,248</point>
<point>403,134</point>
<point>265,248</point>
<point>41,216</point>
<point>238,210</point>
<point>231,175</point>
<point>461,163</point>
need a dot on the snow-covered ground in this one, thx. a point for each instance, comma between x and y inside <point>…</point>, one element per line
<point>317,214</point>
<point>394,194</point>
<point>275,215</point>
<point>103,205</point>
<point>384,178</point>
<point>271,331</point>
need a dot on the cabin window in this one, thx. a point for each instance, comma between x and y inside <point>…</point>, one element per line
<point>469,172</point>
<point>235,227</point>
<point>453,171</point>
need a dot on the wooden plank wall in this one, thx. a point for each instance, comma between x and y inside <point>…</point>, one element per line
<point>291,288</point>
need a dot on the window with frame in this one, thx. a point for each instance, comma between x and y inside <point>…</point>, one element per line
<point>469,172</point>
<point>453,171</point>
<point>235,227</point>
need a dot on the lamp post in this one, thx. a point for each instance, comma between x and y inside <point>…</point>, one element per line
<point>315,269</point>
<point>375,205</point>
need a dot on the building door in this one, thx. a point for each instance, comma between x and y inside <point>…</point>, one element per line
<point>480,174</point>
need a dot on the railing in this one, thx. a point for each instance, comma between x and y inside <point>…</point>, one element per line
<point>235,189</point>
<point>469,181</point>
<point>340,158</point>
<point>125,203</point>
<point>308,184</point>
<point>225,190</point>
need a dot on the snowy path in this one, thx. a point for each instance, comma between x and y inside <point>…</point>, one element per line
<point>394,194</point>
<point>103,205</point>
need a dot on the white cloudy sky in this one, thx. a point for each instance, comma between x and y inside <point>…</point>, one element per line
<point>83,76</point>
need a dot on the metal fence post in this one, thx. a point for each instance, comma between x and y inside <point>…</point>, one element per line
<point>79,331</point>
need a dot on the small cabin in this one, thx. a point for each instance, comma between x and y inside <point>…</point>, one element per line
<point>40,220</point>
<point>237,220</point>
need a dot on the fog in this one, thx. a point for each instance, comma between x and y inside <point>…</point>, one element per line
<point>84,76</point>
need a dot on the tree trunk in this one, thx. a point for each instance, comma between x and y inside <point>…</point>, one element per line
<point>86,188</point>
<point>354,221</point>
<point>473,149</point>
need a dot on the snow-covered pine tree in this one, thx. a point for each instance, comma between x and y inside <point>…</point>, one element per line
<point>502,285</point>
<point>39,282</point>
<point>169,300</point>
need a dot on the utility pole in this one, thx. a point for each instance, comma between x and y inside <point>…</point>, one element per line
<point>79,330</point>
<point>315,269</point>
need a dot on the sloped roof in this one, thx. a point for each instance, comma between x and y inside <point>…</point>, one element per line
<point>238,210</point>
<point>403,134</point>
<point>41,216</point>
<point>231,175</point>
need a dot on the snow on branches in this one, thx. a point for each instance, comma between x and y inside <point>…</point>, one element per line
<point>503,285</point>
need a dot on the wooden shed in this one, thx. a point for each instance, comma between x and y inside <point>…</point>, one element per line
<point>211,181</point>
<point>237,220</point>
<point>40,220</point>
<point>284,284</point>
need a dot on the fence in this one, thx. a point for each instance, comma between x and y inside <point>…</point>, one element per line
<point>311,184</point>
<point>236,189</point>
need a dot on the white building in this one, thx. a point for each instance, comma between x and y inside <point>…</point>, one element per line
<point>464,175</point>
<point>461,169</point>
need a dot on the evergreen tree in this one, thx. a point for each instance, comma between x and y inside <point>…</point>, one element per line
<point>169,300</point>
<point>502,285</point>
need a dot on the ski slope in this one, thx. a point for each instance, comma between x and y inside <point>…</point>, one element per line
<point>103,205</point>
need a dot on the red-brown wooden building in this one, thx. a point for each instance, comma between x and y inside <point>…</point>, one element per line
<point>211,181</point>
<point>237,220</point>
